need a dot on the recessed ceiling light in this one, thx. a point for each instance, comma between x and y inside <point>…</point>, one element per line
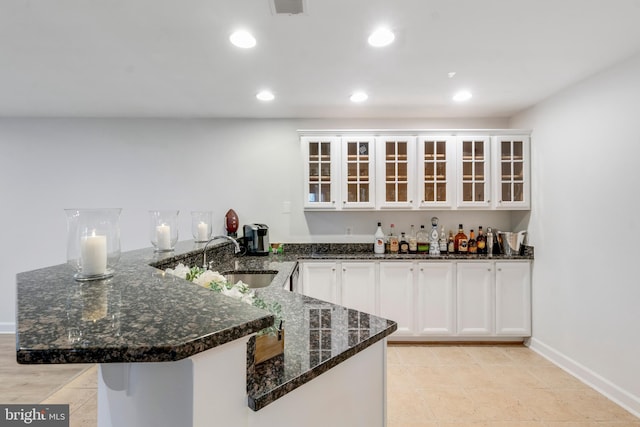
<point>265,95</point>
<point>451,74</point>
<point>242,39</point>
<point>463,95</point>
<point>359,97</point>
<point>381,37</point>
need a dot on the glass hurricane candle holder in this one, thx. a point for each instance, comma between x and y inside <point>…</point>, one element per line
<point>163,231</point>
<point>93,242</point>
<point>201,225</point>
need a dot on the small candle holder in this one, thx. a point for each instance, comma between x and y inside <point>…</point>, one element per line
<point>163,231</point>
<point>201,225</point>
<point>93,242</point>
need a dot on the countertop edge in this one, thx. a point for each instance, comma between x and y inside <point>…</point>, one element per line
<point>257,402</point>
<point>147,354</point>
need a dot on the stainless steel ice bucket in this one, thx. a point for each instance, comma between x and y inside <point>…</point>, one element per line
<point>510,242</point>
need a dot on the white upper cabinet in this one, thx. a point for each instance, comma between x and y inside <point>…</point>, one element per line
<point>358,172</point>
<point>395,173</point>
<point>511,172</point>
<point>321,156</point>
<point>436,171</point>
<point>474,177</point>
<point>410,170</point>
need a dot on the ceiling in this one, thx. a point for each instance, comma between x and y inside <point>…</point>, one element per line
<point>172,58</point>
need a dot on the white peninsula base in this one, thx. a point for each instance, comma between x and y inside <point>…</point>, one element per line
<point>209,389</point>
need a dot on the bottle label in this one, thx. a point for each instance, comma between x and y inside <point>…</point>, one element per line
<point>463,245</point>
<point>393,245</point>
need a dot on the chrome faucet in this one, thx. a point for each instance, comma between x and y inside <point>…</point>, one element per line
<point>204,251</point>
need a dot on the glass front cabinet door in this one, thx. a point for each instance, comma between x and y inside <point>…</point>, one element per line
<point>511,172</point>
<point>436,171</point>
<point>321,156</point>
<point>396,172</point>
<point>473,179</point>
<point>358,182</point>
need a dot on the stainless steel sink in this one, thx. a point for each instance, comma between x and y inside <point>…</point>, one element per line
<point>253,279</point>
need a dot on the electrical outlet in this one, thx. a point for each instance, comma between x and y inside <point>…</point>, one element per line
<point>349,230</point>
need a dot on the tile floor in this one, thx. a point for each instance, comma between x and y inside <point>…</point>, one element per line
<point>480,385</point>
<point>446,386</point>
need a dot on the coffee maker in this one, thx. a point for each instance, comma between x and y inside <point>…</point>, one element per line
<point>256,239</point>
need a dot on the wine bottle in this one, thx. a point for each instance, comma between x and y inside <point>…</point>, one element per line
<point>472,246</point>
<point>442,242</point>
<point>423,240</point>
<point>394,244</point>
<point>378,246</point>
<point>450,244</point>
<point>481,241</point>
<point>404,243</point>
<point>413,241</point>
<point>461,241</point>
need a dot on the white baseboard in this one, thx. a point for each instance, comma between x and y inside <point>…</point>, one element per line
<point>620,396</point>
<point>7,328</point>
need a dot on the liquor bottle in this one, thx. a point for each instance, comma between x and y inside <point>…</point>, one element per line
<point>423,240</point>
<point>450,244</point>
<point>404,243</point>
<point>481,241</point>
<point>442,242</point>
<point>413,241</point>
<point>472,246</point>
<point>387,240</point>
<point>434,248</point>
<point>460,242</point>
<point>378,246</point>
<point>394,244</point>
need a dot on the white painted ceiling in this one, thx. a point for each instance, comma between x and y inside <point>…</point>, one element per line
<point>172,58</point>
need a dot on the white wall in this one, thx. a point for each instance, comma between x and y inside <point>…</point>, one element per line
<point>584,222</point>
<point>252,166</point>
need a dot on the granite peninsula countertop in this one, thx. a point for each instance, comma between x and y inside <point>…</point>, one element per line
<point>142,314</point>
<point>138,315</point>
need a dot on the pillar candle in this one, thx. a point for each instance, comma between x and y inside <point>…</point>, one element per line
<point>163,236</point>
<point>203,231</point>
<point>93,253</point>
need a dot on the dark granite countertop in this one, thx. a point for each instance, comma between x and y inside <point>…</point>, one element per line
<point>145,315</point>
<point>138,315</point>
<point>364,251</point>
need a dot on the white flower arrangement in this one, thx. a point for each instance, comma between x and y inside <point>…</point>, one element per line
<point>217,282</point>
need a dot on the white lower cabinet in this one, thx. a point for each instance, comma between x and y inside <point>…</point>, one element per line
<point>397,290</point>
<point>320,280</point>
<point>513,298</point>
<point>474,298</point>
<point>436,297</point>
<point>358,286</point>
<point>431,300</point>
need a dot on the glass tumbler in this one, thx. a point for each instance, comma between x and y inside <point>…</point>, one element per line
<point>93,242</point>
